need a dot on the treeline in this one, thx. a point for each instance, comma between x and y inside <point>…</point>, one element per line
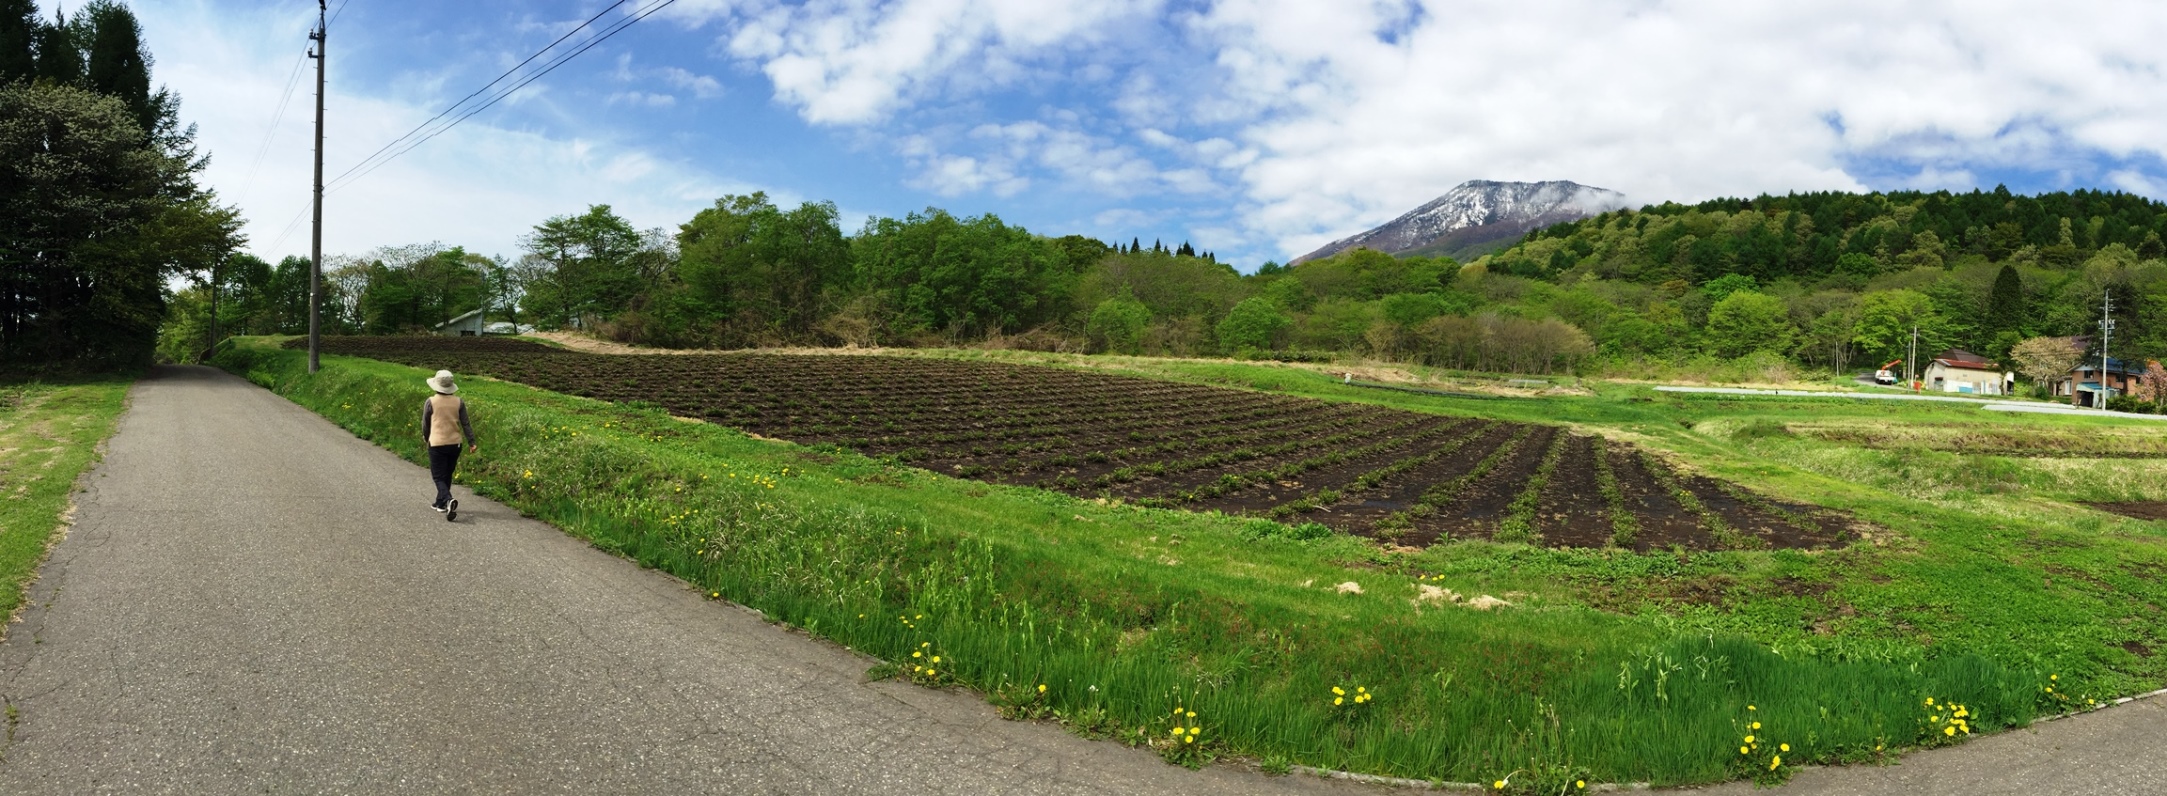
<point>1731,288</point>
<point>97,186</point>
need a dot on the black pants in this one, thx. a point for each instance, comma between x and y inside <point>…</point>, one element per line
<point>443,459</point>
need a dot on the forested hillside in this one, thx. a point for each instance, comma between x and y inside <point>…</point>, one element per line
<point>1828,276</point>
<point>1732,288</point>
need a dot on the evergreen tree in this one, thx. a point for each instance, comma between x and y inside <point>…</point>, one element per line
<point>59,59</point>
<point>2005,303</point>
<point>1185,251</point>
<point>118,66</point>
<point>18,35</point>
<point>2151,248</point>
<point>1136,245</point>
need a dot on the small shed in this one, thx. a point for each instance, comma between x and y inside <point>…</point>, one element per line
<point>468,325</point>
<point>1961,371</point>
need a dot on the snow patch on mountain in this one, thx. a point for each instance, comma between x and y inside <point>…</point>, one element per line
<point>1480,212</point>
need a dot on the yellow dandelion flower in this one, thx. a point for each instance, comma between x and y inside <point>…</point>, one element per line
<point>1196,730</point>
<point>936,659</point>
<point>1500,784</point>
<point>1929,700</point>
<point>1338,700</point>
<point>1774,762</point>
<point>1742,750</point>
<point>1192,714</point>
<point>1756,725</point>
<point>1176,733</point>
<point>1784,747</point>
<point>1750,707</point>
<point>1177,711</point>
<point>1580,783</point>
<point>1335,690</point>
<point>1749,739</point>
<point>1361,689</point>
<point>1948,730</point>
<point>1042,688</point>
<point>1190,739</point>
<point>917,654</point>
<point>930,672</point>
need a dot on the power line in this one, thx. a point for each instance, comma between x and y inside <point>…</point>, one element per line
<point>477,92</point>
<point>272,132</point>
<point>341,10</point>
<point>560,61</point>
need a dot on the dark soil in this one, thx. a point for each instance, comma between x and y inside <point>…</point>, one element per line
<point>1358,514</point>
<point>1573,512</point>
<point>1663,522</point>
<point>1094,434</point>
<point>2140,509</point>
<point>1477,512</point>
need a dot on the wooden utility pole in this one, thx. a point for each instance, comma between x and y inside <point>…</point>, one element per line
<point>316,234</point>
<point>2106,331</point>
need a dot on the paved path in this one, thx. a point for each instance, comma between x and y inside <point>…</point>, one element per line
<point>254,601</point>
<point>2111,752</point>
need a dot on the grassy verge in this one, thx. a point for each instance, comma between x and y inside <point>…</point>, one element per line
<point>1608,664</point>
<point>49,434</point>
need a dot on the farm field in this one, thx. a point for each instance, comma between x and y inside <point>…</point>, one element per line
<point>1976,577</point>
<point>1396,476</point>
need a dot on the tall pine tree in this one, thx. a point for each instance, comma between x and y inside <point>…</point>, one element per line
<point>2004,306</point>
<point>18,38</point>
<point>60,60</point>
<point>118,65</point>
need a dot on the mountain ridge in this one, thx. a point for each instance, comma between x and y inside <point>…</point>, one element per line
<point>1478,216</point>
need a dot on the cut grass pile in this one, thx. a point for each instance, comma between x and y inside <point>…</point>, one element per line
<point>1606,664</point>
<point>49,433</point>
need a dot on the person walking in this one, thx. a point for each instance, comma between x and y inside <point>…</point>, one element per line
<point>443,427</point>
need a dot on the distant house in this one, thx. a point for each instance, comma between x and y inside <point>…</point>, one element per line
<point>1961,371</point>
<point>2088,386</point>
<point>468,325</point>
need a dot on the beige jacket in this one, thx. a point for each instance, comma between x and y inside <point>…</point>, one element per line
<point>444,421</point>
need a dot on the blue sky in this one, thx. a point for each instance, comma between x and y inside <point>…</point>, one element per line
<point>1255,128</point>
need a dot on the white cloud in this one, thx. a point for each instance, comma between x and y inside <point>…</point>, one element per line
<point>854,61</point>
<point>701,86</point>
<point>642,98</point>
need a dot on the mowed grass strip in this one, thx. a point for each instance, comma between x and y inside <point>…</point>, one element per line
<point>1124,612</point>
<point>49,434</point>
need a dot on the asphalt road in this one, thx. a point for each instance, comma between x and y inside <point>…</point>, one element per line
<point>254,601</point>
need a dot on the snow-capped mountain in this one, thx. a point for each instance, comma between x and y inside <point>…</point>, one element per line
<point>1480,216</point>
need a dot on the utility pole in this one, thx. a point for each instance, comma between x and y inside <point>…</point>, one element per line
<point>2106,331</point>
<point>212,341</point>
<point>316,235</point>
<point>1911,363</point>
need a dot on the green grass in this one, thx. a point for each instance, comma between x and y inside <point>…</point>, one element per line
<point>1978,584</point>
<point>49,434</point>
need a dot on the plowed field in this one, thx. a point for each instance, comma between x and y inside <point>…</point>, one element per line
<point>1400,476</point>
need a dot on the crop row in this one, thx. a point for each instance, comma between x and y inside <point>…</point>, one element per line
<point>1400,476</point>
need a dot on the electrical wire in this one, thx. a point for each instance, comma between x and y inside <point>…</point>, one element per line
<point>635,17</point>
<point>271,132</point>
<point>477,92</point>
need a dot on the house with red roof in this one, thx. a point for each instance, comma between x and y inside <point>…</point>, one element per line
<point>1960,371</point>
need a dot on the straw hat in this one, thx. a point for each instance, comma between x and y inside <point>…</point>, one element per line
<point>442,383</point>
